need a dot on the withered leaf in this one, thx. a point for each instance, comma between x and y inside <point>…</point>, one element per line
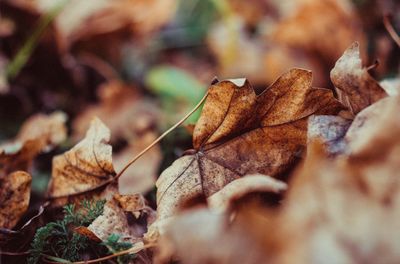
<point>39,133</point>
<point>344,210</point>
<point>112,221</point>
<point>222,199</point>
<point>241,133</point>
<point>355,86</point>
<point>15,191</point>
<point>86,165</point>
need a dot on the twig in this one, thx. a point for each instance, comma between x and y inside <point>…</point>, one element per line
<point>390,29</point>
<point>132,250</point>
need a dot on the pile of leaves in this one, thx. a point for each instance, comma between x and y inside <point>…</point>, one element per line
<point>269,169</point>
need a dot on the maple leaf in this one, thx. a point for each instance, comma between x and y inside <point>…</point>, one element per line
<point>355,86</point>
<point>240,133</point>
<point>86,165</point>
<point>15,191</point>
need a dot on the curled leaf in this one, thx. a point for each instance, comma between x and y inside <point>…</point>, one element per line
<point>355,86</point>
<point>222,199</point>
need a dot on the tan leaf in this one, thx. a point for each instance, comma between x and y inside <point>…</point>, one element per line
<point>355,86</point>
<point>112,221</point>
<point>131,203</point>
<point>122,109</point>
<point>38,133</point>
<point>222,199</point>
<point>324,27</point>
<point>344,210</point>
<point>240,133</point>
<point>15,190</point>
<point>86,165</point>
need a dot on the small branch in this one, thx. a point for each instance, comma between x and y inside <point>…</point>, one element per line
<point>390,29</point>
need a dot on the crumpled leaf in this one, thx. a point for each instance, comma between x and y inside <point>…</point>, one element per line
<point>220,241</point>
<point>86,165</point>
<point>223,199</point>
<point>240,133</point>
<point>112,221</point>
<point>39,133</point>
<point>15,190</point>
<point>355,86</point>
<point>344,210</point>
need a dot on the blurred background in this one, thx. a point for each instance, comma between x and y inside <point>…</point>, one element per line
<point>140,65</point>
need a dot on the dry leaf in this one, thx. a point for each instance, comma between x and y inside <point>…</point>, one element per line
<point>112,221</point>
<point>240,133</point>
<point>223,199</point>
<point>218,241</point>
<point>355,86</point>
<point>15,190</point>
<point>323,27</point>
<point>86,165</point>
<point>131,203</point>
<point>38,133</point>
<point>391,86</point>
<point>122,109</point>
<point>343,210</point>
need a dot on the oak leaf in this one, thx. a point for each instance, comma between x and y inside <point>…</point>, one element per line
<point>15,190</point>
<point>355,86</point>
<point>240,133</point>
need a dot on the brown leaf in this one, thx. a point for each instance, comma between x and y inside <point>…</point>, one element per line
<point>38,133</point>
<point>344,210</point>
<point>131,203</point>
<point>223,199</point>
<point>15,190</point>
<point>240,133</point>
<point>323,27</point>
<point>354,85</point>
<point>119,103</point>
<point>112,221</point>
<point>86,165</point>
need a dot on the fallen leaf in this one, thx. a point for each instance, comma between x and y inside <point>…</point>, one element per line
<point>355,86</point>
<point>118,104</point>
<point>112,221</point>
<point>15,190</point>
<point>131,203</point>
<point>39,133</point>
<point>391,86</point>
<point>86,165</point>
<point>223,199</point>
<point>240,133</point>
<point>323,27</point>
